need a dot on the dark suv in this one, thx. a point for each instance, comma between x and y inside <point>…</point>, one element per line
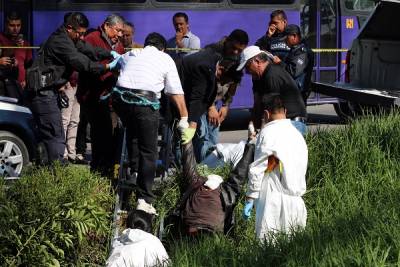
<point>19,143</point>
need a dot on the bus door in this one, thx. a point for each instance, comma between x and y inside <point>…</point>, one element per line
<point>319,23</point>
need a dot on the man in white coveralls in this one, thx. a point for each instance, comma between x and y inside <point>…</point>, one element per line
<point>277,175</point>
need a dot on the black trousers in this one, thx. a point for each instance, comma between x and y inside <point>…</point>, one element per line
<point>82,131</point>
<point>101,137</point>
<point>47,115</point>
<point>141,123</point>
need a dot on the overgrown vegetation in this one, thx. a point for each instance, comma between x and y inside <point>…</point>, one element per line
<point>57,217</point>
<point>353,207</point>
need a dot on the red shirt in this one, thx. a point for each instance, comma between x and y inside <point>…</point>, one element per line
<point>92,87</point>
<point>23,56</point>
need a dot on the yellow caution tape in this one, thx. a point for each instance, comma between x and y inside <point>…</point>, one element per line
<point>329,50</point>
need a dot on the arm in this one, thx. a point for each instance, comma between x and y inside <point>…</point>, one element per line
<point>258,167</point>
<point>179,101</point>
<point>70,55</point>
<point>190,173</point>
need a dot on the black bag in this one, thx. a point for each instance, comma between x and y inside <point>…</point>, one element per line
<point>43,77</point>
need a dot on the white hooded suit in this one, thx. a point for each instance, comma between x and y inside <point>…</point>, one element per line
<point>279,206</point>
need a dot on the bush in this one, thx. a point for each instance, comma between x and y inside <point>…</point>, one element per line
<point>57,217</point>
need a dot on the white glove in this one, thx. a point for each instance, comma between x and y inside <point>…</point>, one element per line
<point>183,124</point>
<point>251,132</point>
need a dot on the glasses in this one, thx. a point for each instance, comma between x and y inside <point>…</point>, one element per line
<point>80,34</point>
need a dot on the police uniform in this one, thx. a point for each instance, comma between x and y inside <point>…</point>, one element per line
<point>61,53</point>
<point>276,45</point>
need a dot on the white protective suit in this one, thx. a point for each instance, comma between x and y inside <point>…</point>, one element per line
<point>279,206</point>
<point>137,248</point>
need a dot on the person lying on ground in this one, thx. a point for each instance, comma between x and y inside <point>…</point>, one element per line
<point>136,247</point>
<point>207,203</point>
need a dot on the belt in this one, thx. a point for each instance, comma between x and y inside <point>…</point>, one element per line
<point>148,94</point>
<point>300,119</point>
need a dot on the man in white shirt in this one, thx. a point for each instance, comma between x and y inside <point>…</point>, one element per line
<point>135,247</point>
<point>136,100</point>
<point>184,38</point>
<point>277,175</point>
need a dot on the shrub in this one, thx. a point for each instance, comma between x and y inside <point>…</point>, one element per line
<point>55,217</point>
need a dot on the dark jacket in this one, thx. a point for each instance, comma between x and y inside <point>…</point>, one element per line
<point>299,64</point>
<point>211,209</point>
<point>91,87</point>
<point>276,44</point>
<point>277,80</point>
<point>59,50</point>
<point>197,74</point>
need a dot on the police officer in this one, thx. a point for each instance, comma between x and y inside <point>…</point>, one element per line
<point>62,53</point>
<point>299,61</point>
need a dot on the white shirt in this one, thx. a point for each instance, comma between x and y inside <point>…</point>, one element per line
<point>150,70</point>
<point>137,248</point>
<point>279,206</point>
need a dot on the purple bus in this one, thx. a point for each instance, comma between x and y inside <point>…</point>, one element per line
<point>329,26</point>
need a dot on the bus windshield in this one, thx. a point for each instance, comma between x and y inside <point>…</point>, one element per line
<point>360,5</point>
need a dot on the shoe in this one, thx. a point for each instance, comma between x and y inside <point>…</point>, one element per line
<point>146,207</point>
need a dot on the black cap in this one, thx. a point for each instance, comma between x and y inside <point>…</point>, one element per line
<point>292,29</point>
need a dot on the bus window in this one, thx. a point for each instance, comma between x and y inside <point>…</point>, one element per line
<point>328,35</point>
<point>360,5</point>
<point>189,1</point>
<point>262,2</point>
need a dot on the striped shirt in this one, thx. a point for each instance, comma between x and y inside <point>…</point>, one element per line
<point>150,70</point>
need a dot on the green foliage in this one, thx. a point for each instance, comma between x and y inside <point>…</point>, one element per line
<point>57,217</point>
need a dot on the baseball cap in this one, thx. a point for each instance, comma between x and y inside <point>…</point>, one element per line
<point>248,53</point>
<point>213,181</point>
<point>292,29</point>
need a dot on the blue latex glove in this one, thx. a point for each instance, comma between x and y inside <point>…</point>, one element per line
<point>115,54</point>
<point>114,63</point>
<point>248,207</point>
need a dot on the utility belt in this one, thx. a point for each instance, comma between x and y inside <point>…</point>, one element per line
<point>135,97</point>
<point>300,119</point>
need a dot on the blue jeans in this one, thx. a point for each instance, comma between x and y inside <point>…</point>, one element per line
<point>205,139</point>
<point>301,126</point>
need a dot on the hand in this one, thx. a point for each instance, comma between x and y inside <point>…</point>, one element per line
<point>277,60</point>
<point>223,112</point>
<point>251,131</point>
<point>183,124</point>
<point>248,207</point>
<point>187,135</point>
<point>213,116</point>
<point>114,54</point>
<point>5,61</point>
<point>114,63</point>
<point>271,30</point>
<point>19,42</point>
<point>178,39</point>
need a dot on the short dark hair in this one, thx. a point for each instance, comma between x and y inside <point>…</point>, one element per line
<point>13,15</point>
<point>180,15</point>
<point>157,40</point>
<point>273,103</point>
<point>76,20</point>
<point>278,12</point>
<point>238,36</point>
<point>139,219</point>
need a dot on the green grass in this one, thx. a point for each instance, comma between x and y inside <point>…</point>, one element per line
<point>353,203</point>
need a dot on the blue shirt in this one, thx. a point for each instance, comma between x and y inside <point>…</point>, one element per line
<point>189,41</point>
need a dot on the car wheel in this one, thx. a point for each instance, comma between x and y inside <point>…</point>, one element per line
<point>13,155</point>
